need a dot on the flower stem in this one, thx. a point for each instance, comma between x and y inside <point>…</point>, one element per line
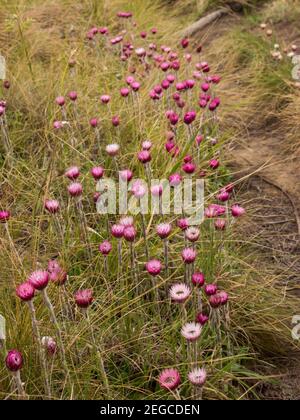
<point>58,330</point>
<point>21,392</point>
<point>37,337</point>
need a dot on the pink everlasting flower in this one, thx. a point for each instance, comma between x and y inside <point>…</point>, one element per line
<point>183,224</point>
<point>202,318</point>
<point>97,172</point>
<point>52,206</point>
<point>237,210</point>
<point>129,233</point>
<point>191,331</point>
<point>126,175</point>
<point>175,179</point>
<point>14,360</point>
<point>25,291</point>
<point>198,279</point>
<point>163,230</point>
<point>105,248</point>
<point>153,267</point>
<point>197,377</point>
<point>4,216</point>
<point>188,255</point>
<point>75,189</point>
<point>39,279</point>
<point>84,298</point>
<point>211,289</point>
<point>169,379</point>
<point>72,173</point>
<point>180,292</point>
<point>112,149</point>
<point>117,231</point>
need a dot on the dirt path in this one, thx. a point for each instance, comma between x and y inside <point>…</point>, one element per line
<point>271,194</point>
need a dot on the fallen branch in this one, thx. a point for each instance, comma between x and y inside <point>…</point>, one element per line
<point>206,20</point>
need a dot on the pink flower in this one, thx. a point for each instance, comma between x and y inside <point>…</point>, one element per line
<point>49,345</point>
<point>129,233</point>
<point>25,291</point>
<point>214,210</point>
<point>97,172</point>
<point>105,248</point>
<point>188,255</point>
<point>189,117</point>
<point>202,318</point>
<point>124,92</point>
<point>146,145</point>
<point>237,210</point>
<point>183,224</point>
<point>117,231</point>
<point>115,120</point>
<point>191,331</point>
<point>4,216</point>
<point>153,267</point>
<point>211,289</point>
<point>39,279</point>
<point>189,168</point>
<point>105,99</point>
<point>75,189</point>
<point>84,298</point>
<point>157,190</point>
<point>138,189</point>
<point>175,179</point>
<point>192,234</point>
<point>198,279</point>
<point>126,221</point>
<point>144,156</point>
<point>60,100</point>
<point>14,360</point>
<point>73,95</point>
<point>72,173</point>
<point>94,122</point>
<point>112,149</point>
<point>214,163</point>
<point>215,301</point>
<point>52,206</point>
<point>180,292</point>
<point>223,296</point>
<point>185,42</point>
<point>223,196</point>
<point>220,224</point>
<point>163,230</point>
<point>126,175</point>
<point>135,86</point>
<point>197,377</point>
<point>169,379</point>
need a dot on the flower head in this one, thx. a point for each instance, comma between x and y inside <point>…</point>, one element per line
<point>97,172</point>
<point>180,292</point>
<point>237,210</point>
<point>14,360</point>
<point>192,234</point>
<point>105,248</point>
<point>198,279</point>
<point>39,279</point>
<point>49,344</point>
<point>112,149</point>
<point>52,206</point>
<point>175,179</point>
<point>72,173</point>
<point>126,175</point>
<point>189,255</point>
<point>202,318</point>
<point>4,216</point>
<point>84,298</point>
<point>153,267</point>
<point>117,231</point>
<point>163,230</point>
<point>191,331</point>
<point>197,376</point>
<point>75,189</point>
<point>25,291</point>
<point>169,379</point>
<point>211,289</point>
<point>130,233</point>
